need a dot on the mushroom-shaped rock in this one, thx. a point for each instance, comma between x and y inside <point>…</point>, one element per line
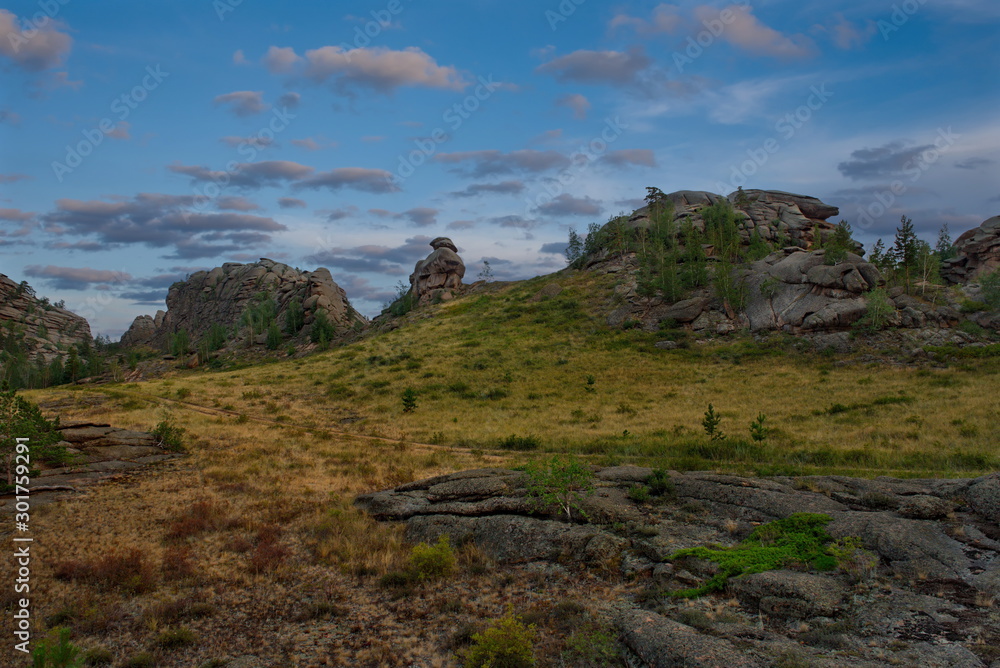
<point>442,270</point>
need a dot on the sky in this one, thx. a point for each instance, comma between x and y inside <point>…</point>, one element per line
<point>141,142</point>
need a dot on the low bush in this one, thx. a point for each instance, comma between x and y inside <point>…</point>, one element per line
<point>432,562</point>
<point>514,442</point>
<point>507,643</point>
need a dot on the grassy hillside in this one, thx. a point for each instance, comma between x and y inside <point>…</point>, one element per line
<point>253,535</point>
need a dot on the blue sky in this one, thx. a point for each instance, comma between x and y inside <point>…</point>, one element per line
<point>140,142</point>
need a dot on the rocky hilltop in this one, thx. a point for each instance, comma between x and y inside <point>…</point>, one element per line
<point>47,331</point>
<point>799,284</point>
<point>223,295</point>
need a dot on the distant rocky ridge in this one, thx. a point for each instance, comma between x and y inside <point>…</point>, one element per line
<point>222,295</point>
<point>49,331</point>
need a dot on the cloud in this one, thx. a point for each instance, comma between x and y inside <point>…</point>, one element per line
<point>8,116</point>
<point>460,225</point>
<point>358,178</point>
<point>616,68</point>
<point>291,203</point>
<point>236,204</point>
<point>45,49</point>
<point>578,103</point>
<point>334,215</point>
<point>145,297</point>
<point>567,205</point>
<point>255,141</point>
<point>242,102</point>
<point>16,215</point>
<point>746,32</point>
<point>887,160</point>
<point>513,221</point>
<point>643,157</point>
<point>159,221</point>
<point>421,216</point>
<point>280,60</point>
<point>239,58</point>
<point>311,144</point>
<point>375,258</point>
<point>248,174</point>
<point>555,247</point>
<point>380,69</point>
<point>361,289</point>
<point>975,163</point>
<point>75,278</point>
<point>489,162</point>
<point>845,35</point>
<point>13,178</point>
<point>503,188</point>
<point>289,101</point>
<point>665,19</point>
<point>120,131</point>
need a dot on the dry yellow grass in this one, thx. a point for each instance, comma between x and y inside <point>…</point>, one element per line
<point>284,566</point>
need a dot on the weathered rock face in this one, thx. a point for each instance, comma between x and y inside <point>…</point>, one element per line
<point>222,295</point>
<point>48,330</point>
<point>775,215</point>
<point>978,253</point>
<point>926,584</point>
<point>440,273</point>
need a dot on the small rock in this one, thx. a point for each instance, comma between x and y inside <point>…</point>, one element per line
<point>923,507</point>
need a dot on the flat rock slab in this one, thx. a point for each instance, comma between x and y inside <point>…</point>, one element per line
<point>664,643</point>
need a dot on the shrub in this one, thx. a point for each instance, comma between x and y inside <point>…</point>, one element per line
<point>169,435</point>
<point>295,317</point>
<point>273,336</point>
<point>140,660</point>
<point>660,484</point>
<point>758,432</point>
<point>98,656</point>
<point>174,638</point>
<point>878,309</point>
<point>638,493</point>
<point>514,442</point>
<point>322,331</point>
<point>852,558</point>
<point>559,483</point>
<point>591,646</point>
<point>799,538</point>
<point>179,343</point>
<point>507,643</point>
<point>990,284</point>
<point>128,571</point>
<point>56,652</point>
<point>21,418</point>
<point>429,562</point>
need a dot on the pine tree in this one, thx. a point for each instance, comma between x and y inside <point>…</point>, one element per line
<point>574,249</point>
<point>944,249</point>
<point>905,249</point>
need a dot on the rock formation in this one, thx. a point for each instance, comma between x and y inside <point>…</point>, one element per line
<point>978,253</point>
<point>925,584</point>
<point>439,274</point>
<point>222,295</point>
<point>48,331</point>
<point>775,215</point>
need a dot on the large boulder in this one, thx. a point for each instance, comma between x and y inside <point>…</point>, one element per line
<point>439,273</point>
<point>223,294</point>
<point>978,253</point>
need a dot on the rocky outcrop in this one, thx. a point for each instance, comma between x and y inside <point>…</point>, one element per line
<point>221,296</point>
<point>978,253</point>
<point>44,330</point>
<point>925,582</point>
<point>778,217</point>
<point>438,275</point>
